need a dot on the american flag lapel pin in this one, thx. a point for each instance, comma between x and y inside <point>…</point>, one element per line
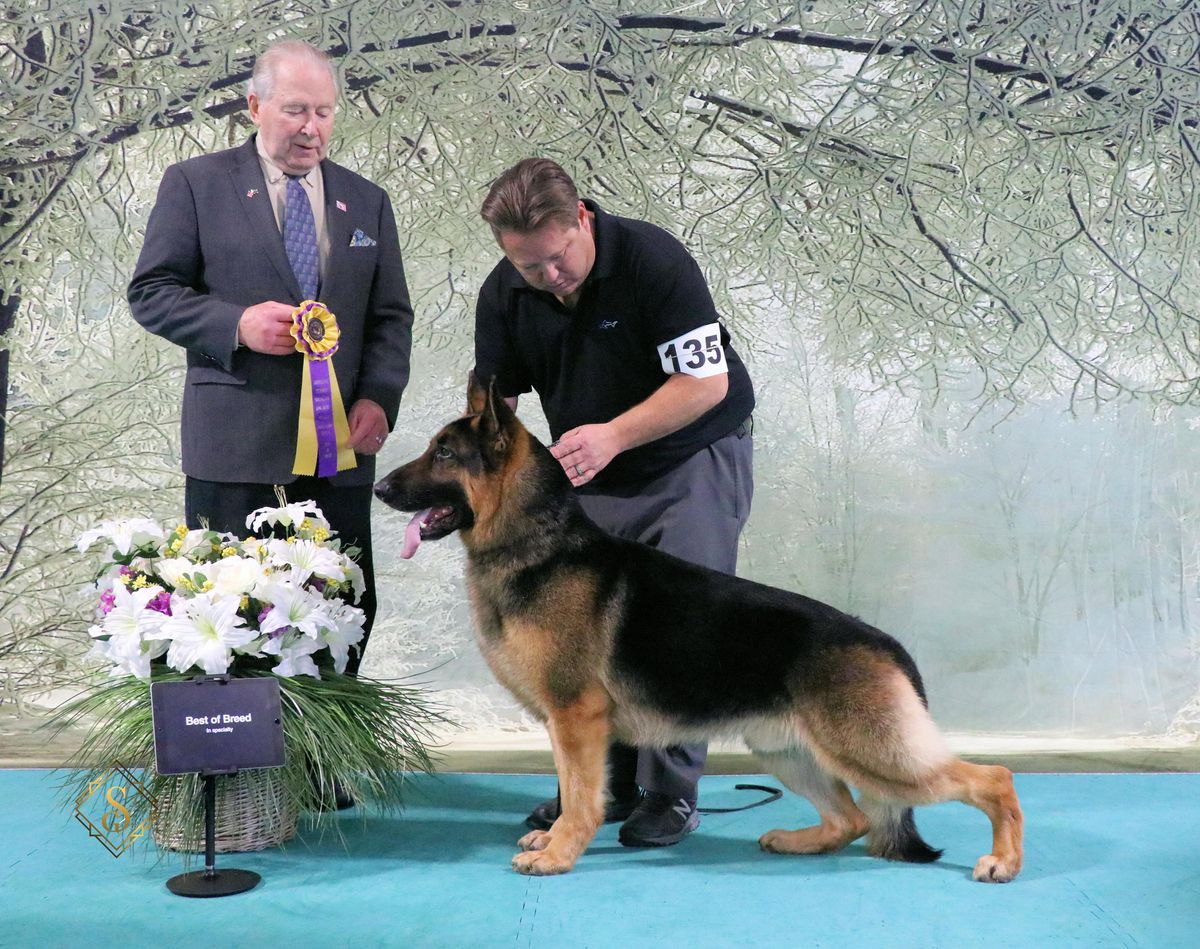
<point>251,193</point>
<point>341,205</point>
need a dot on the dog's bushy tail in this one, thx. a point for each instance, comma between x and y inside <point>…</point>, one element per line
<point>894,835</point>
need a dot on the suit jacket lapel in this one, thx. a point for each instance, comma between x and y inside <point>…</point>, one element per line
<point>338,208</point>
<point>252,193</point>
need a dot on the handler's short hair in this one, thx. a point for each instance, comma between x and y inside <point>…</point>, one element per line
<point>532,193</point>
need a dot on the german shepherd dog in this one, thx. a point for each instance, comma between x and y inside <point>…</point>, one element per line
<point>601,638</point>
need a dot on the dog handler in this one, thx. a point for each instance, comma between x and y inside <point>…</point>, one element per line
<point>611,322</point>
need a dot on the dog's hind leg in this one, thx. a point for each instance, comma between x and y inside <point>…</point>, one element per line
<point>579,737</point>
<point>841,820</point>
<point>897,758</point>
<point>987,787</point>
<point>990,788</point>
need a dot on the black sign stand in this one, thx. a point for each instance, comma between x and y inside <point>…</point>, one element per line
<point>181,747</point>
<point>210,881</point>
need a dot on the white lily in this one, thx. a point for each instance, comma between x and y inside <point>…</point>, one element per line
<point>127,656</point>
<point>285,516</point>
<point>354,576</point>
<point>345,630</point>
<point>124,536</point>
<point>295,658</point>
<point>306,558</point>
<point>204,631</point>
<point>192,540</point>
<point>295,607</point>
<point>129,619</point>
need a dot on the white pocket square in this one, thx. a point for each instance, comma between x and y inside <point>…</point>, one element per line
<point>359,239</point>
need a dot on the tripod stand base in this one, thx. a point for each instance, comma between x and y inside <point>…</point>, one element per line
<point>213,883</point>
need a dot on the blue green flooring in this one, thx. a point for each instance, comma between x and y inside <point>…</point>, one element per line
<point>1111,860</point>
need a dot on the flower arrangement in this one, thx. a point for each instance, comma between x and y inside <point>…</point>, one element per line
<point>172,604</point>
<point>205,600</point>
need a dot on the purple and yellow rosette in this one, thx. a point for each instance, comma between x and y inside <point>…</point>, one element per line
<point>323,438</point>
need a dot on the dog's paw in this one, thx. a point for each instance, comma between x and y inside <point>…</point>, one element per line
<point>535,840</point>
<point>806,840</point>
<point>536,863</point>
<point>991,869</point>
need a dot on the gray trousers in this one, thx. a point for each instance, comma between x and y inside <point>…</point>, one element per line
<point>695,511</point>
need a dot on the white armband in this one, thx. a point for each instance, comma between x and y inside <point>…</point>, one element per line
<point>697,353</point>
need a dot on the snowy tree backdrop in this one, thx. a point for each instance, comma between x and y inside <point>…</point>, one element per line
<point>955,242</point>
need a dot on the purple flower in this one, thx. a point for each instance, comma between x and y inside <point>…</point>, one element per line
<point>162,603</point>
<point>107,600</point>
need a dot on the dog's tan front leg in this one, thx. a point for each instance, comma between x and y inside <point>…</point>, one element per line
<point>579,736</point>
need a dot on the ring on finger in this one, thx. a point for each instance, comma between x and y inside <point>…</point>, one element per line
<point>579,471</point>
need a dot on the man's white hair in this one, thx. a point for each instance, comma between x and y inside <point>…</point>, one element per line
<point>262,80</point>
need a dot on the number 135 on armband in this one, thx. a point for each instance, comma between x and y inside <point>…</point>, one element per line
<point>697,352</point>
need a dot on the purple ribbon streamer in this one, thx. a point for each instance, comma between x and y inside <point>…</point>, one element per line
<point>322,399</point>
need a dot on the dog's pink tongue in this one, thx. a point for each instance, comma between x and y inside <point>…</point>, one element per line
<point>412,534</point>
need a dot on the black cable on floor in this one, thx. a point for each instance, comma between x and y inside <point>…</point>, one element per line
<point>773,794</point>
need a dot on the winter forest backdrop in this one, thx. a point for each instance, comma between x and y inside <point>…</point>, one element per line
<point>955,242</point>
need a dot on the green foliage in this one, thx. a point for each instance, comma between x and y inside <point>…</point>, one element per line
<point>362,734</point>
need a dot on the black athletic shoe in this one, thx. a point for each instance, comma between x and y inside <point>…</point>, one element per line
<point>342,800</point>
<point>659,821</point>
<point>546,813</point>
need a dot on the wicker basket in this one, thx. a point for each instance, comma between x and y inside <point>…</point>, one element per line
<point>254,812</point>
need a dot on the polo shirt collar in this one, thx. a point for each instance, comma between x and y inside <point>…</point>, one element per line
<point>605,236</point>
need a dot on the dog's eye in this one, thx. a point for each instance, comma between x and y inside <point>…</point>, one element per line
<point>443,453</point>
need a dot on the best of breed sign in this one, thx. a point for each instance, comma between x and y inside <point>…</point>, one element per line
<point>217,725</point>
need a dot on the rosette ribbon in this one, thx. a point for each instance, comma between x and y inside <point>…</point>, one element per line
<point>323,437</point>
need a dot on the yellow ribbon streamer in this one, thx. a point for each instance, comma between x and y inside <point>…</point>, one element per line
<point>316,333</point>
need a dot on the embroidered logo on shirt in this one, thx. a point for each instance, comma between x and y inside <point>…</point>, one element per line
<point>608,324</point>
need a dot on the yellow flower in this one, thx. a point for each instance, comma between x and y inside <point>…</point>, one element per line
<point>139,582</point>
<point>124,578</point>
<point>228,551</point>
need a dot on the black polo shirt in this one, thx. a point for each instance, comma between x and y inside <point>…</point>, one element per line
<point>590,363</point>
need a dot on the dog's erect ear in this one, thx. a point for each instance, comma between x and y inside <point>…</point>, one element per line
<point>476,395</point>
<point>498,420</point>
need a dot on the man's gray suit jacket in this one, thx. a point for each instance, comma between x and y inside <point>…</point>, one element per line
<point>213,248</point>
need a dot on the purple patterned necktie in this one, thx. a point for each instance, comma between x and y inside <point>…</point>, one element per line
<point>300,239</point>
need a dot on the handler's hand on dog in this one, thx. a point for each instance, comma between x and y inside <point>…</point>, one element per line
<point>368,426</point>
<point>265,328</point>
<point>586,451</point>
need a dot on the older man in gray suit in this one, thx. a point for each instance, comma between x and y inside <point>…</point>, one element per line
<point>235,242</point>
